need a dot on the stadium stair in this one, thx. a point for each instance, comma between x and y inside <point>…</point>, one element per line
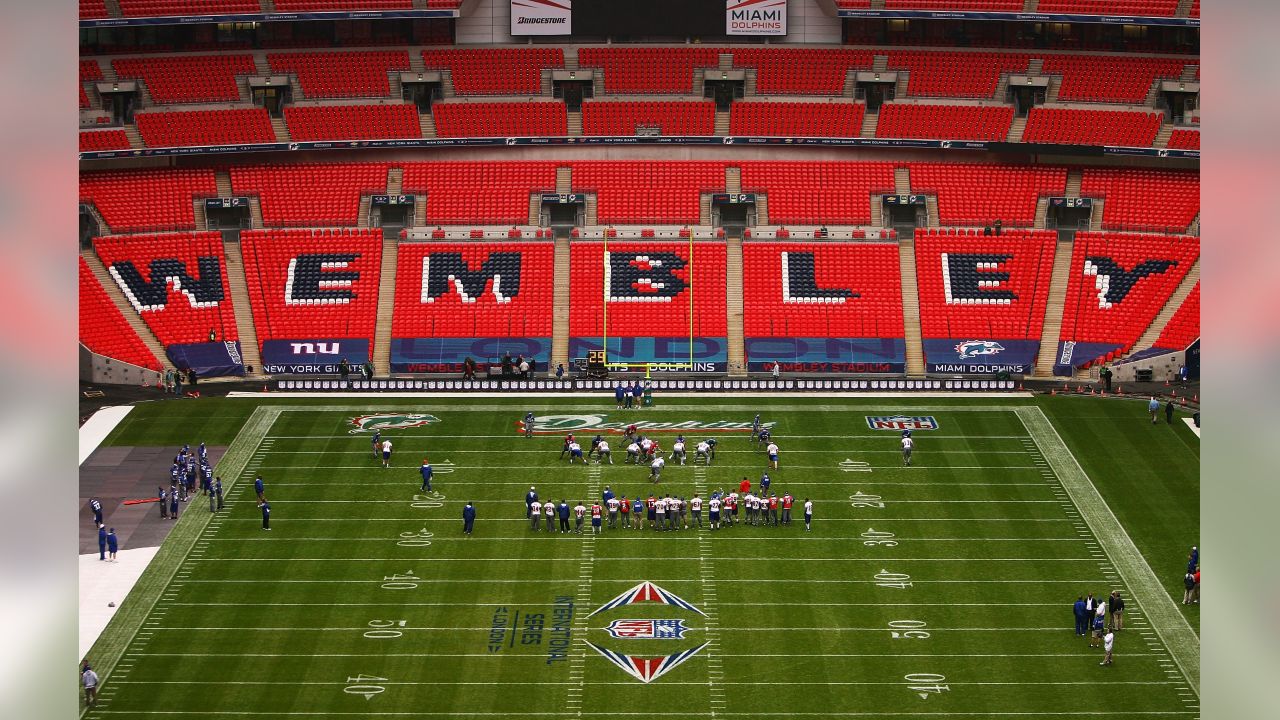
<point>1152,333</point>
<point>427,124</point>
<point>1194,228</point>
<point>366,208</point>
<point>869,122</point>
<point>564,179</point>
<point>255,213</point>
<point>1031,6</point>
<point>281,129</point>
<point>131,316</point>
<point>1184,9</point>
<point>734,307</point>
<point>1042,213</point>
<point>733,180</point>
<point>1074,176</point>
<point>386,308</point>
<point>535,208</point>
<point>902,181</point>
<point>223,180</point>
<point>592,210</point>
<point>573,119</point>
<point>932,218</point>
<point>911,307</point>
<point>560,308</point>
<point>395,181</point>
<point>245,329</point>
<point>1053,309</point>
<point>1095,220</point>
<point>1015,129</point>
<point>722,123</point>
<point>135,137</point>
<point>113,8</point>
<point>1162,137</point>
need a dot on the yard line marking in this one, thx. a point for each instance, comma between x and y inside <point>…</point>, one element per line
<point>613,684</point>
<point>506,604</point>
<point>707,573</point>
<point>886,439</point>
<point>1144,587</point>
<point>754,466</point>
<point>542,659</point>
<point>646,538</point>
<point>307,501</point>
<point>707,629</point>
<point>524,520</point>
<point>547,451</point>
<point>586,558</point>
<point>650,557</point>
<point>534,581</point>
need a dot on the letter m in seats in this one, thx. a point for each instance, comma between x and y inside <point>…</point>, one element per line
<point>443,272</point>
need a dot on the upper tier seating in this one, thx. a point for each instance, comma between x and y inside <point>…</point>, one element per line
<point>945,122</point>
<point>188,78</point>
<point>1092,127</point>
<point>1104,306</point>
<point>333,5</point>
<point>674,117</point>
<point>635,311</point>
<point>501,119</point>
<point>638,70</point>
<point>177,309</point>
<point>495,71</point>
<point>282,311</point>
<point>801,71</point>
<point>517,302</point>
<point>979,194</point>
<point>1109,78</point>
<point>100,140</point>
<point>104,330</point>
<point>956,74</point>
<point>1185,140</point>
<point>868,269</point>
<point>143,200</point>
<point>1184,326</point>
<point>205,127</point>
<point>643,191</point>
<point>817,192</point>
<point>352,122</point>
<point>310,194</point>
<point>1025,255</point>
<point>1144,200</point>
<point>796,119</point>
<point>1014,6</point>
<point>478,192</point>
<point>1195,9</point>
<point>174,8</point>
<point>90,71</point>
<point>342,73</point>
<point>1139,8</point>
<point>93,9</point>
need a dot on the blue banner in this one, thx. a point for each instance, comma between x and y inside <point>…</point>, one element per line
<point>967,356</point>
<point>313,357</point>
<point>1192,361</point>
<point>821,355</point>
<point>1019,17</point>
<point>710,355</point>
<point>1072,354</point>
<point>210,359</point>
<point>446,355</point>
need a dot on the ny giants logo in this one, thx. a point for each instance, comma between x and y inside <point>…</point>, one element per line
<point>647,667</point>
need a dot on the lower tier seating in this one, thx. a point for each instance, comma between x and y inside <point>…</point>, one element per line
<point>627,190</point>
<point>99,140</point>
<point>818,192</point>
<point>145,200</point>
<point>1184,326</point>
<point>478,192</point>
<point>104,330</point>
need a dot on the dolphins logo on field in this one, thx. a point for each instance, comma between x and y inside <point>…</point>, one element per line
<point>391,421</point>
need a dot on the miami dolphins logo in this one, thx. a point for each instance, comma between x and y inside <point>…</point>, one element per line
<point>391,421</point>
<point>974,348</point>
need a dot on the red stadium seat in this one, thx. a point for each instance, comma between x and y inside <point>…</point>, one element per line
<point>90,71</point>
<point>1138,8</point>
<point>1144,200</point>
<point>500,119</point>
<point>1092,127</point>
<point>478,192</point>
<point>1185,140</point>
<point>188,78</point>
<point>1110,78</point>
<point>205,127</point>
<point>945,122</point>
<point>802,71</point>
<point>817,192</point>
<point>956,74</point>
<point>104,330</point>
<point>310,194</point>
<point>1184,326</point>
<point>797,119</point>
<point>352,122</point>
<point>173,8</point>
<point>495,71</point>
<point>101,140</point>
<point>147,200</point>
<point>979,194</point>
<point>674,117</point>
<point>93,9</point>
<point>628,190</point>
<point>342,73</point>
<point>638,70</point>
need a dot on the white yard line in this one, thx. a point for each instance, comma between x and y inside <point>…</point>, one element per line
<point>1147,592</point>
<point>605,396</point>
<point>1191,425</point>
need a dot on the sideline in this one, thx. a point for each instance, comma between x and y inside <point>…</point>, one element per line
<point>102,583</point>
<point>98,427</point>
<point>1191,425</point>
<point>605,394</point>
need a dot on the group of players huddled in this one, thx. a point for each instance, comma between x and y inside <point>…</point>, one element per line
<point>664,511</point>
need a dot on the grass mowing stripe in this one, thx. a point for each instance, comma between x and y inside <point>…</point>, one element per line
<point>146,594</point>
<point>1144,586</point>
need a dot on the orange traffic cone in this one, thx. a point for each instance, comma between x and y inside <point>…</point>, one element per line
<point>1184,402</point>
<point>1119,389</point>
<point>1196,399</point>
<point>1053,391</point>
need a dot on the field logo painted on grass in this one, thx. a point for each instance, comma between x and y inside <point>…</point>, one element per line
<point>647,668</point>
<point>973,348</point>
<point>556,424</point>
<point>902,422</point>
<point>391,421</point>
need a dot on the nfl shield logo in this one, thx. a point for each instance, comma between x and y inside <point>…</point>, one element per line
<point>902,422</point>
<point>647,629</point>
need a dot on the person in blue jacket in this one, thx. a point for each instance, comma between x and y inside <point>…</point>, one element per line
<point>468,518</point>
<point>112,544</point>
<point>102,542</point>
<point>1082,617</point>
<point>426,475</point>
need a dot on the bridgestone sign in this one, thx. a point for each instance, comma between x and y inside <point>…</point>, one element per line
<point>541,17</point>
<point>755,17</point>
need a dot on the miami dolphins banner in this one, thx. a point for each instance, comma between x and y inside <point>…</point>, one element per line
<point>980,356</point>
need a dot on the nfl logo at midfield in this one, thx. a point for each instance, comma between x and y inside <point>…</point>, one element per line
<point>647,629</point>
<point>902,422</point>
<point>647,667</point>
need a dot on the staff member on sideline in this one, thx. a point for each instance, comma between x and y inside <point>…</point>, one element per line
<point>468,518</point>
<point>1108,643</point>
<point>89,679</point>
<point>266,515</point>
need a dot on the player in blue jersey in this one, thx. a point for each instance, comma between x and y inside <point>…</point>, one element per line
<point>427,472</point>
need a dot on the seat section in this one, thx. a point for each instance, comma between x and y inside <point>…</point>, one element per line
<point>1109,78</point>
<point>474,290</point>
<point>342,73</point>
<point>495,71</point>
<point>352,122</point>
<point>1184,327</point>
<point>176,282</point>
<point>147,200</point>
<point>1117,286</point>
<point>647,191</point>
<point>641,70</point>
<point>188,78</point>
<point>802,71</point>
<point>825,290</point>
<point>334,5</point>
<point>310,194</point>
<point>1139,8</point>
<point>818,192</point>
<point>500,119</point>
<point>956,74</point>
<point>99,140</point>
<point>1142,199</point>
<point>175,8</point>
<point>986,287</point>
<point>90,71</point>
<point>672,117</point>
<point>797,119</point>
<point>93,9</point>
<point>1070,126</point>
<point>478,192</point>
<point>1185,140</point>
<point>104,330</point>
<point>313,284</point>
<point>177,128</point>
<point>648,289</point>
<point>1014,6</point>
<point>980,194</point>
<point>945,122</point>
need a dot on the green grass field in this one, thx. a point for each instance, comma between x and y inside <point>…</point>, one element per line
<point>943,589</point>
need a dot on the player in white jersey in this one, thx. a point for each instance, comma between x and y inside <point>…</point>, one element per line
<point>713,513</point>
<point>772,451</point>
<point>677,451</point>
<point>695,507</point>
<point>602,452</point>
<point>579,513</point>
<point>655,468</point>
<point>386,453</point>
<point>750,501</point>
<point>613,504</point>
<point>646,446</point>
<point>907,444</point>
<point>660,513</point>
<point>702,450</point>
<point>575,452</point>
<point>675,513</point>
<point>549,511</point>
<point>535,513</point>
<point>731,510</point>
<point>633,453</point>
<point>808,513</point>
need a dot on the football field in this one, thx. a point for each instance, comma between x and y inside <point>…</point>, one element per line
<point>943,589</point>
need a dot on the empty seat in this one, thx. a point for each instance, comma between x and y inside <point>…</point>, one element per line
<point>205,127</point>
<point>798,119</point>
<point>353,122</point>
<point>188,78</point>
<point>500,119</point>
<point>945,122</point>
<point>1092,127</point>
<point>104,330</point>
<point>672,117</point>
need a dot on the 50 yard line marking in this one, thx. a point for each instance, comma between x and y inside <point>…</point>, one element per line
<point>707,571</point>
<point>582,601</point>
